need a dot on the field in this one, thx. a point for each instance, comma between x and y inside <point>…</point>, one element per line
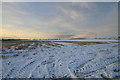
<point>60,59</point>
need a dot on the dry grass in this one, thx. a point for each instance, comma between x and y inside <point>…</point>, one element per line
<point>8,46</point>
<point>16,44</point>
<point>49,43</point>
<point>25,55</point>
<point>83,43</point>
<point>9,56</point>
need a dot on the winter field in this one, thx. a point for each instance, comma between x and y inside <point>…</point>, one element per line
<point>60,59</point>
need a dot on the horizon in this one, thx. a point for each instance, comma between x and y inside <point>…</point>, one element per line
<point>59,20</point>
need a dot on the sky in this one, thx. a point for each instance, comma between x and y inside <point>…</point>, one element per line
<point>63,20</point>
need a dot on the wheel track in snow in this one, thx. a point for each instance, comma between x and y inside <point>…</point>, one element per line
<point>87,61</point>
<point>31,65</point>
<point>31,72</point>
<point>50,66</point>
<point>90,69</point>
<point>92,73</point>
<point>92,64</point>
<point>26,65</point>
<point>99,71</point>
<point>14,70</point>
<point>9,73</point>
<point>90,59</point>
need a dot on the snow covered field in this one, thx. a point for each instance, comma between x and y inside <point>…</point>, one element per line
<point>60,59</point>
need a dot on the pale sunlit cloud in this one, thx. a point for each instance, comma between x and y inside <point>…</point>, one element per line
<point>23,34</point>
<point>62,35</point>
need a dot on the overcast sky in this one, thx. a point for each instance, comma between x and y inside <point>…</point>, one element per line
<point>42,20</point>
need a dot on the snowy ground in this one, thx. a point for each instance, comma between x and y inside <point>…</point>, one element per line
<point>60,59</point>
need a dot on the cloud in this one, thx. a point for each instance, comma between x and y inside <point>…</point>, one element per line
<point>73,14</point>
<point>55,25</point>
<point>62,35</point>
<point>14,8</point>
<point>85,5</point>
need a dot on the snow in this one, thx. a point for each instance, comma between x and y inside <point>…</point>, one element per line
<point>68,60</point>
